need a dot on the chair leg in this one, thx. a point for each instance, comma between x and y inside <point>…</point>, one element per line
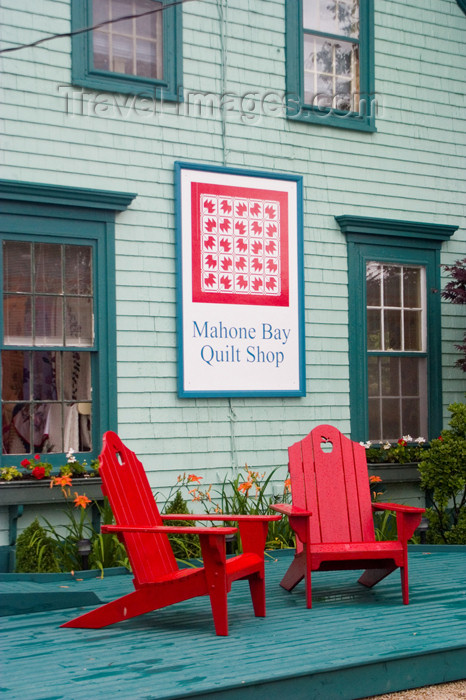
<point>295,573</point>
<point>372,576</point>
<point>219,605</point>
<point>257,588</point>
<point>135,603</point>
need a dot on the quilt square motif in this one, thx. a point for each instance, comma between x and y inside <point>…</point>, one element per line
<point>240,245</point>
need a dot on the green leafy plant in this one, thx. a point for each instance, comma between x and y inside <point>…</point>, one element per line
<point>247,493</point>
<point>35,551</point>
<point>106,549</point>
<point>184,546</point>
<point>443,476</point>
<point>10,474</point>
<point>56,547</point>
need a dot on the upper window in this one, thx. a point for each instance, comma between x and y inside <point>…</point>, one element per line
<point>135,47</point>
<point>57,319</point>
<point>330,62</point>
<point>394,327</point>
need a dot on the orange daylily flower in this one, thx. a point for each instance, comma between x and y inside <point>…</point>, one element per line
<point>288,485</point>
<point>245,486</point>
<point>193,477</point>
<point>61,481</point>
<point>82,501</point>
<point>375,479</point>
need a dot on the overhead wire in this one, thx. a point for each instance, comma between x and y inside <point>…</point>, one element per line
<point>83,30</point>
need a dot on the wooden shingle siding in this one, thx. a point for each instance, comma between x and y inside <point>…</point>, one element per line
<point>411,168</point>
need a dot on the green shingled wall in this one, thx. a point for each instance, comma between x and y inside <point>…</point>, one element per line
<point>412,168</point>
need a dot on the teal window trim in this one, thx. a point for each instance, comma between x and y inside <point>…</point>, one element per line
<point>403,242</point>
<point>84,74</point>
<point>52,213</point>
<point>462,5</point>
<point>297,109</point>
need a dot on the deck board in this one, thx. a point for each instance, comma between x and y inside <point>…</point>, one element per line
<point>354,642</point>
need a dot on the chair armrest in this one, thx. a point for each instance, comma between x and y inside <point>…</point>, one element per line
<point>220,517</point>
<point>407,518</point>
<point>397,507</point>
<point>287,509</point>
<point>169,530</point>
<point>299,519</point>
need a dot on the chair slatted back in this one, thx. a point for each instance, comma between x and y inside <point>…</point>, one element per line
<point>333,485</point>
<point>125,484</point>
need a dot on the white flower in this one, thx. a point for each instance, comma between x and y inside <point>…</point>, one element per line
<point>366,444</point>
<point>420,440</point>
<point>387,445</point>
<point>70,456</point>
<point>407,438</point>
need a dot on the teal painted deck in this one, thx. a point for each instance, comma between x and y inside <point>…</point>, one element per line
<point>355,642</point>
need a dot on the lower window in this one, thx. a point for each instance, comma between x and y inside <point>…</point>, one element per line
<point>396,350</point>
<point>394,327</point>
<point>58,364</point>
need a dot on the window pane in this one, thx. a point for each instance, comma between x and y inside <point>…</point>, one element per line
<point>373,284</point>
<point>412,287</point>
<point>392,330</point>
<point>373,376</point>
<point>48,320</point>
<point>16,428</point>
<point>391,416</point>
<point>17,266</point>
<point>343,59</point>
<point>411,418</point>
<point>374,329</point>
<point>123,8</point>
<point>410,375</point>
<point>374,419</point>
<point>15,373</point>
<point>122,59</point>
<point>78,269</point>
<point>17,325</point>
<point>335,17</point>
<point>390,376</point>
<point>101,42</point>
<point>46,368</point>
<point>413,330</point>
<point>79,321</point>
<point>77,374</point>
<point>100,10</point>
<point>48,268</point>
<point>392,286</point>
<point>146,59</point>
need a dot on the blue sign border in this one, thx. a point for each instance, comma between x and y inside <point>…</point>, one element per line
<point>179,167</point>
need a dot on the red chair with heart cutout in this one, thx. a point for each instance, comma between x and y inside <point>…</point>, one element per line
<point>332,514</point>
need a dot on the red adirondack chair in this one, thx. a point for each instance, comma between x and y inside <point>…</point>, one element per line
<point>332,514</point>
<point>157,579</point>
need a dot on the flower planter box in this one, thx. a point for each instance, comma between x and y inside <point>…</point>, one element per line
<point>402,483</point>
<point>396,473</point>
<point>27,492</point>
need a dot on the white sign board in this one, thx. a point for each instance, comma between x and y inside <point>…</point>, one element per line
<point>240,288</point>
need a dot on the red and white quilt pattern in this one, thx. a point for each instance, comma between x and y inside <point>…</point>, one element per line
<point>241,247</point>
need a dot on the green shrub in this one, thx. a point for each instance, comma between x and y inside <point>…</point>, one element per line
<point>443,477</point>
<point>35,552</point>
